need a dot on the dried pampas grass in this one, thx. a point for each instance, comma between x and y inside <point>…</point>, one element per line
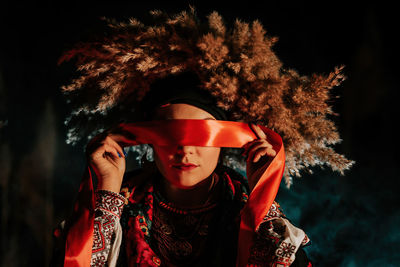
<point>237,65</point>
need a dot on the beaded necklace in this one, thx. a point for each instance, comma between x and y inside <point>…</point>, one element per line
<point>171,207</point>
<point>181,235</point>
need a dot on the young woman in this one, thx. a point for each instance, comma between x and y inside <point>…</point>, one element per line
<point>181,210</point>
<point>191,84</point>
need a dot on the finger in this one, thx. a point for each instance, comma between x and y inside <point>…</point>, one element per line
<point>113,143</point>
<point>263,152</point>
<point>122,134</point>
<point>91,148</point>
<point>259,154</point>
<point>104,151</point>
<point>124,140</point>
<point>256,143</point>
<point>257,130</point>
<point>254,146</point>
<point>254,151</point>
<point>248,144</point>
<point>271,152</point>
<point>111,150</point>
<point>95,143</point>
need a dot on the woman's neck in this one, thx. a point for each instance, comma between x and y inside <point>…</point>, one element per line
<point>188,198</point>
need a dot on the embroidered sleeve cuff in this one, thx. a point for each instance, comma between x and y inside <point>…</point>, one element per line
<point>110,202</point>
<point>274,212</point>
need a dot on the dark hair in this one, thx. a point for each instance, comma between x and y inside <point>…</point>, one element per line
<point>180,88</point>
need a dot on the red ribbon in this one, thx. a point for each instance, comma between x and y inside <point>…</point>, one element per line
<point>212,133</point>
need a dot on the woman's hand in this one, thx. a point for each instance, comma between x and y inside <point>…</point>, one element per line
<point>259,152</point>
<point>107,158</point>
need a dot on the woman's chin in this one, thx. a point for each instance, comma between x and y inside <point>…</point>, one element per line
<point>186,184</point>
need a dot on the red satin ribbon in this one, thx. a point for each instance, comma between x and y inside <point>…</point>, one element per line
<point>190,133</point>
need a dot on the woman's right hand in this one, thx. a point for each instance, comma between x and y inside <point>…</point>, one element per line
<point>107,159</point>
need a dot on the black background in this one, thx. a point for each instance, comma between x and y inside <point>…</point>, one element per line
<point>352,220</point>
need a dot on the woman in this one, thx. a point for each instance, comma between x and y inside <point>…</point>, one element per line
<point>187,209</point>
<point>191,206</point>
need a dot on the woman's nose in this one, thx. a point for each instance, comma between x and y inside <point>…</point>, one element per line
<point>182,150</point>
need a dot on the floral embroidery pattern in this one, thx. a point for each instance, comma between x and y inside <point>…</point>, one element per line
<point>109,201</point>
<point>108,209</point>
<point>285,250</point>
<point>271,245</point>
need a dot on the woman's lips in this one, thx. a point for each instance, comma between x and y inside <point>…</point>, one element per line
<point>185,166</point>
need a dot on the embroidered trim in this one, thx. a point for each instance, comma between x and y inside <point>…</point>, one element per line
<point>108,209</point>
<point>274,212</point>
<point>104,228</point>
<point>276,240</point>
<point>98,238</point>
<point>109,201</point>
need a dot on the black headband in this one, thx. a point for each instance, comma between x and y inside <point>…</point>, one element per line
<point>182,88</point>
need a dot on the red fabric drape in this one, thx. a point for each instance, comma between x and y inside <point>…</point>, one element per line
<point>190,133</point>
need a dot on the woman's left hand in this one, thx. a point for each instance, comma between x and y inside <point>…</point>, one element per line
<point>258,152</point>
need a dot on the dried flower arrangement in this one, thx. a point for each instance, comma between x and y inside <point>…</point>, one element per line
<point>237,66</point>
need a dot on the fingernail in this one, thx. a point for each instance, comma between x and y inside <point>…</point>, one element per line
<point>124,152</point>
<point>119,155</point>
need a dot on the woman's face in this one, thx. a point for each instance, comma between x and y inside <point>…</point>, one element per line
<point>185,166</point>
